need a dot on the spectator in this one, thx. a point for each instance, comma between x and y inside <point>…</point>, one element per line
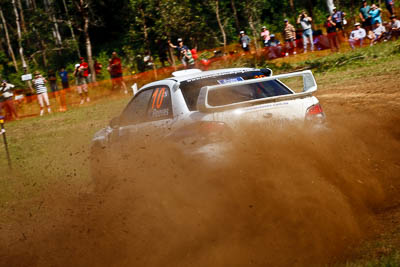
<point>97,67</point>
<point>378,33</point>
<point>265,35</point>
<point>338,18</point>
<point>395,27</point>
<point>332,35</point>
<point>188,57</point>
<point>181,49</point>
<point>375,13</point>
<point>85,67</point>
<point>81,83</point>
<point>41,91</point>
<point>115,69</point>
<point>6,99</point>
<point>365,16</point>
<point>305,22</point>
<point>357,35</point>
<point>244,41</point>
<point>65,84</point>
<point>274,47</point>
<point>390,6</point>
<point>51,75</point>
<point>289,34</point>
<point>64,78</point>
<point>148,60</point>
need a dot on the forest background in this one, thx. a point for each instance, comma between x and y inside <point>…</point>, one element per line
<point>50,34</point>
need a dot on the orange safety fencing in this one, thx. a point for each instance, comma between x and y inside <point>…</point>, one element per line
<point>68,98</point>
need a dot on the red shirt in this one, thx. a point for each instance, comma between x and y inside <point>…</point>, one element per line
<point>115,65</point>
<point>86,66</point>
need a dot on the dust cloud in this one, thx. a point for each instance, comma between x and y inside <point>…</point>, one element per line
<point>287,196</point>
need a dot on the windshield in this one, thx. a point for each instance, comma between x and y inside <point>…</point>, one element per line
<point>235,94</point>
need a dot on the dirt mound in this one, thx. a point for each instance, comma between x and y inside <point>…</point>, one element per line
<point>289,196</point>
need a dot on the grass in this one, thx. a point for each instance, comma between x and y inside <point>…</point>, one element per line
<point>53,148</point>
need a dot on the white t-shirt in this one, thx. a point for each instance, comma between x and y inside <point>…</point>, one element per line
<point>379,30</point>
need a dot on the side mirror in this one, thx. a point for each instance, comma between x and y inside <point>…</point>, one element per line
<point>114,123</point>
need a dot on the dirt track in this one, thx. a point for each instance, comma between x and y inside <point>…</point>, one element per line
<point>287,197</point>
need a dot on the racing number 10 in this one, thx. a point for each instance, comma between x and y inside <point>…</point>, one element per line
<point>158,98</point>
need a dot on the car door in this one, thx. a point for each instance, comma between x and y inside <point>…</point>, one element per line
<point>149,112</point>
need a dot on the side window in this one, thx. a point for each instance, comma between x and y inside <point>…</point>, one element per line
<point>150,105</point>
<point>160,107</point>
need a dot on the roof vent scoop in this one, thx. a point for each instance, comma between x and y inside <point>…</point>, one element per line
<point>181,73</point>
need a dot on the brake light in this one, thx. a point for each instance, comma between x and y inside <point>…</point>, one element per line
<point>315,111</point>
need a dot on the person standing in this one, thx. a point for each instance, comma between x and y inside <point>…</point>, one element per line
<point>332,35</point>
<point>265,37</point>
<point>41,91</point>
<point>85,67</point>
<point>289,34</point>
<point>365,16</point>
<point>244,41</point>
<point>115,69</point>
<point>390,6</point>
<point>338,18</point>
<point>81,83</point>
<point>375,13</point>
<point>6,99</point>
<point>65,84</point>
<point>181,48</point>
<point>305,22</point>
<point>54,88</point>
<point>357,35</point>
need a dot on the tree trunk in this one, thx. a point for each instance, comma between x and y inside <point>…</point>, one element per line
<point>235,16</point>
<point>253,29</point>
<point>10,49</point>
<point>21,13</point>
<point>83,6</point>
<point>146,39</point>
<point>21,49</point>
<point>56,33</point>
<point>71,29</point>
<point>89,47</point>
<point>221,27</point>
<point>292,8</point>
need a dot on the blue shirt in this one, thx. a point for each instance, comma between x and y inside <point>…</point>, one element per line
<point>375,16</point>
<point>64,76</point>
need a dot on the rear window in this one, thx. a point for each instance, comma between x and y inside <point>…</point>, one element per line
<point>191,89</point>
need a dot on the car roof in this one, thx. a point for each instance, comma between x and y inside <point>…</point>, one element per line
<point>209,73</point>
<point>197,75</point>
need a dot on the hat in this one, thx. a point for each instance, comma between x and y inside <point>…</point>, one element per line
<point>364,1</point>
<point>179,40</point>
<point>4,81</point>
<point>81,58</point>
<point>36,72</point>
<point>241,32</point>
<point>285,20</point>
<point>263,27</point>
<point>357,24</point>
<point>393,16</point>
<point>333,8</point>
<point>272,35</point>
<point>77,65</point>
<point>376,22</point>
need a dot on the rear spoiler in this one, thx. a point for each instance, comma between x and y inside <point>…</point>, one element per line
<point>309,87</point>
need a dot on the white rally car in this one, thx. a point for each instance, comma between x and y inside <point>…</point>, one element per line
<point>195,105</point>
